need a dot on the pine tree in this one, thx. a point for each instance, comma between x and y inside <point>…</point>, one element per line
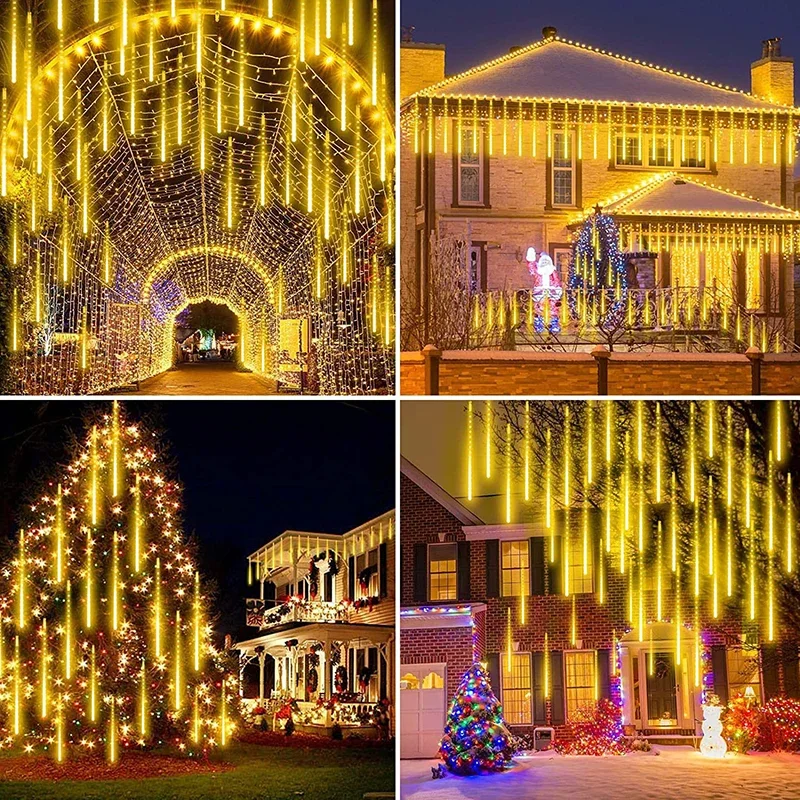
<point>475,737</point>
<point>104,624</point>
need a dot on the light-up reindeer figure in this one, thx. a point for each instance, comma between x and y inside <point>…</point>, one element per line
<point>547,292</point>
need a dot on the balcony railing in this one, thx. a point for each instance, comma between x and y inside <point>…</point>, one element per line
<point>267,614</point>
<point>669,318</point>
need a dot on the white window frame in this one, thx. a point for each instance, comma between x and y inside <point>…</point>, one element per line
<point>567,687</point>
<point>505,689</point>
<point>431,599</point>
<point>576,569</point>
<point>573,169</point>
<point>374,579</point>
<point>647,153</point>
<point>466,133</point>
<point>524,569</point>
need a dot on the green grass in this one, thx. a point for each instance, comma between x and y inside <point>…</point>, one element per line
<point>262,773</point>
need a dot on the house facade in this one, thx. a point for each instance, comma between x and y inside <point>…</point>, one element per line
<point>520,152</point>
<point>497,594</point>
<point>323,617</point>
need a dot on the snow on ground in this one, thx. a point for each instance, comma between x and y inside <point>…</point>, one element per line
<point>664,773</point>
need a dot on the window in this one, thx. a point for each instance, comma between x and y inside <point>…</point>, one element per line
<point>662,152</point>
<point>657,152</point>
<point>743,672</point>
<point>442,572</point>
<point>433,680</point>
<point>517,689</point>
<point>693,153</point>
<point>409,681</point>
<point>581,668</point>
<point>476,271</point>
<point>367,576</point>
<point>563,169</point>
<point>470,168</point>
<point>629,151</point>
<point>515,568</point>
<point>580,569</point>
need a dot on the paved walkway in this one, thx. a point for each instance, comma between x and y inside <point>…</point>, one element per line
<point>206,378</point>
<point>665,772</point>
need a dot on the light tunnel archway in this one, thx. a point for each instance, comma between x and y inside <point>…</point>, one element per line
<point>159,144</point>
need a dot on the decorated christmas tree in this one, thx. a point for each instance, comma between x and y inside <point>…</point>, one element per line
<point>476,738</point>
<point>104,624</point>
<point>598,272</point>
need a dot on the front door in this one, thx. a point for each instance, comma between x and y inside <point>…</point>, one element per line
<point>662,703</point>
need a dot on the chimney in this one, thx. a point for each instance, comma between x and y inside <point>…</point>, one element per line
<point>772,76</point>
<point>549,32</point>
<point>421,65</point>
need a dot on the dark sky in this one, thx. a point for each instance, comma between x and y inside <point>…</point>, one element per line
<point>249,469</point>
<point>715,39</point>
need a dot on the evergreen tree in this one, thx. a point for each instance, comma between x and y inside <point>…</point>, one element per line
<point>475,737</point>
<point>104,625</point>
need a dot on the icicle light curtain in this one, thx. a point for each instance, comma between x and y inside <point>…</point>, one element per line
<point>156,154</point>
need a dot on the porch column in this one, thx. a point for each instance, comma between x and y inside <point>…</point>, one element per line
<point>262,657</point>
<point>327,675</point>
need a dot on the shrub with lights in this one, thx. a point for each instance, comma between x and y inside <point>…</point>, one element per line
<point>595,730</point>
<point>105,641</point>
<point>780,724</point>
<point>598,271</point>
<point>741,724</point>
<point>476,739</point>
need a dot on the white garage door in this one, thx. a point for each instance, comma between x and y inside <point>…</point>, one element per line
<point>422,709</point>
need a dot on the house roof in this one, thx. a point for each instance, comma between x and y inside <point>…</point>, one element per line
<point>673,195</point>
<point>443,498</point>
<point>562,70</point>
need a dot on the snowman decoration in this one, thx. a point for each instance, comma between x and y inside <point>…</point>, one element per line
<point>547,291</point>
<point>712,743</point>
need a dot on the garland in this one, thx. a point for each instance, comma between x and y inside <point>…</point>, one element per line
<point>313,569</point>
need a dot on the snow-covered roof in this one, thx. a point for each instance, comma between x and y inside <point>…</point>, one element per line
<point>563,70</point>
<point>673,195</point>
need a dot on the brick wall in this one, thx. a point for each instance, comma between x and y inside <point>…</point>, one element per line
<point>656,374</point>
<point>422,520</point>
<point>436,645</point>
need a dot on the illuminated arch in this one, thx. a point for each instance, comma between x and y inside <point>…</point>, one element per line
<point>221,251</point>
<point>86,38</point>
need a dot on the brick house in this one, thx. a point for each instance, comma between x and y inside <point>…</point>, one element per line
<point>519,152</point>
<point>495,593</point>
<point>325,605</point>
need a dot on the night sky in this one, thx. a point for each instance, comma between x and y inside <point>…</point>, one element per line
<point>714,39</point>
<point>249,470</point>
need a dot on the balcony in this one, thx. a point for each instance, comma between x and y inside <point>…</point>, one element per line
<point>267,614</point>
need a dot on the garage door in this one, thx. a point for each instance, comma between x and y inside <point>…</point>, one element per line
<point>422,709</point>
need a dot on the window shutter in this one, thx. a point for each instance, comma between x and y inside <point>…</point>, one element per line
<point>493,668</point>
<point>421,572</point>
<point>536,552</point>
<point>351,577</point>
<point>463,581</point>
<point>328,584</point>
<point>557,709</point>
<point>269,590</point>
<point>719,665</point>
<point>492,568</point>
<point>383,589</point>
<point>555,576</point>
<point>791,673</point>
<point>539,713</point>
<point>769,671</point>
<point>604,672</point>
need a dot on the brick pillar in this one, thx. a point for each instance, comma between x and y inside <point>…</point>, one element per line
<point>601,356</point>
<point>756,357</point>
<point>433,357</point>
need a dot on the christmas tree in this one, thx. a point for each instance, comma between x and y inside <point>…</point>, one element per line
<point>104,625</point>
<point>598,272</point>
<point>475,738</point>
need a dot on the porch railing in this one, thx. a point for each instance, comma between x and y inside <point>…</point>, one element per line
<point>265,614</point>
<point>669,318</point>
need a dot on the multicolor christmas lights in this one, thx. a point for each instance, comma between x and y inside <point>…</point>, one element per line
<point>476,739</point>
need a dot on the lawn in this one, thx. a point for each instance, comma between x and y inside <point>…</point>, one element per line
<point>260,773</point>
